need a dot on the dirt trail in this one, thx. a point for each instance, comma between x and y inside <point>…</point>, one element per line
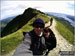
<point>62,43</point>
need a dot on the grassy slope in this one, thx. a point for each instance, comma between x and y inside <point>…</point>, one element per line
<point>66,30</point>
<point>10,42</point>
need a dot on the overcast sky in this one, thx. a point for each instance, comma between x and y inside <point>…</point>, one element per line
<point>12,8</point>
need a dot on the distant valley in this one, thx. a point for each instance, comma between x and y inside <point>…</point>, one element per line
<point>5,21</point>
<point>63,17</point>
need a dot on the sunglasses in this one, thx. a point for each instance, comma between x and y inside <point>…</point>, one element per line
<point>39,26</point>
<point>46,31</point>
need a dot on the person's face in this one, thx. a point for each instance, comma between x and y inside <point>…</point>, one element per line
<point>38,28</point>
<point>47,34</point>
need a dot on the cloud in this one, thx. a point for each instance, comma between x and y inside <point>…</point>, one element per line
<point>71,6</point>
<point>9,8</point>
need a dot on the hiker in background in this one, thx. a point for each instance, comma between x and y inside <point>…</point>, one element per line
<point>34,41</point>
<point>50,39</point>
<point>51,21</point>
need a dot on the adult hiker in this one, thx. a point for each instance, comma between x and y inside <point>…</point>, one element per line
<point>51,21</point>
<point>50,39</point>
<point>34,42</point>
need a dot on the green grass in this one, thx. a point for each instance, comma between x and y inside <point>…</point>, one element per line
<point>66,30</point>
<point>11,41</point>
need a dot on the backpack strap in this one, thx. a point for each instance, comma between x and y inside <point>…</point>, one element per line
<point>24,35</point>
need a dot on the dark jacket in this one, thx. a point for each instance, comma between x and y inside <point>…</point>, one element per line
<point>38,43</point>
<point>50,42</point>
<point>32,45</point>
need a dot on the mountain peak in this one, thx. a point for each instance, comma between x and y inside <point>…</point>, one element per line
<point>19,21</point>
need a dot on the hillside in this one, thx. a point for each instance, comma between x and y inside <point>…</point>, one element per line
<point>62,43</point>
<point>12,40</point>
<point>19,21</point>
<point>5,21</point>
